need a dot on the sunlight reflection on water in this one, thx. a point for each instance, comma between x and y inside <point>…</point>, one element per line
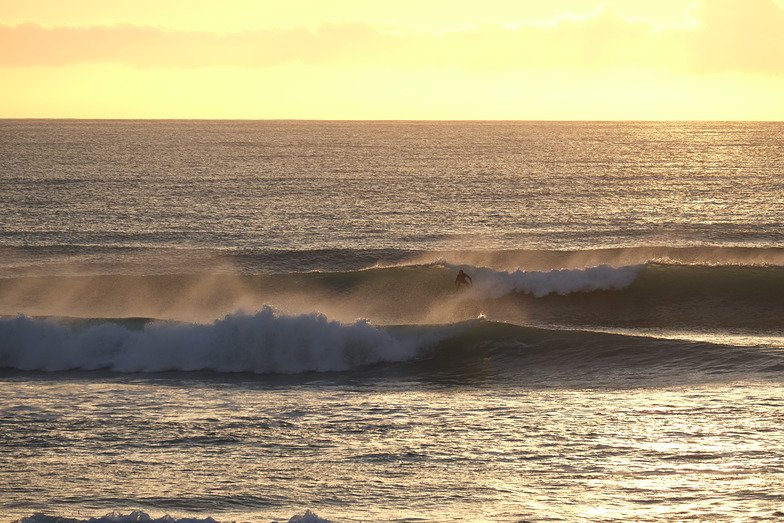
<point>243,450</point>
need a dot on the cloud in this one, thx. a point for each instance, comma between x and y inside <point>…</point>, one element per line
<point>729,35</point>
<point>745,35</point>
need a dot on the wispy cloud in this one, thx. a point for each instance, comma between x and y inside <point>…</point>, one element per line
<point>728,35</point>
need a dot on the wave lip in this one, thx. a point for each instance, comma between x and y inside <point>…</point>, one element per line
<point>266,342</point>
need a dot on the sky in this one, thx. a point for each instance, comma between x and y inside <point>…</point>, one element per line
<point>393,59</point>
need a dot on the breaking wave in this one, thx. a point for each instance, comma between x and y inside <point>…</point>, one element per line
<point>269,342</point>
<point>264,343</point>
<point>308,321</point>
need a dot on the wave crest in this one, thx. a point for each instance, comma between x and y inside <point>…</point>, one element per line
<point>494,284</point>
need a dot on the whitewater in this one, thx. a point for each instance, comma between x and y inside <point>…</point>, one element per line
<point>213,321</point>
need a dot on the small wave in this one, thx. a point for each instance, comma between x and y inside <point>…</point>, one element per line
<point>133,517</point>
<point>142,517</point>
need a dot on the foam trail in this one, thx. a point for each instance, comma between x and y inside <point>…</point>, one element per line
<point>494,284</point>
<point>133,517</point>
<point>264,342</point>
<point>141,517</point>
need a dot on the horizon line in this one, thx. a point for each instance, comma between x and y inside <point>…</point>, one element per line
<point>392,120</point>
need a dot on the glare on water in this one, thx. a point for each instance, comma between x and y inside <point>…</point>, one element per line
<point>245,450</point>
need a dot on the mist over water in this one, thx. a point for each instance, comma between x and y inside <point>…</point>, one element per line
<point>246,321</point>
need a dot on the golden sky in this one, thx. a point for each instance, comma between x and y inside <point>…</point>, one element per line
<point>393,59</point>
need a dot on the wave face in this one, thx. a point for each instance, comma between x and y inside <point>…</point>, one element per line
<point>732,298</point>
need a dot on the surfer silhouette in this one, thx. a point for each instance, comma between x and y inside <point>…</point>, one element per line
<point>463,279</point>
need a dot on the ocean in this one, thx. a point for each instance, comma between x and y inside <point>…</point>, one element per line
<point>255,321</point>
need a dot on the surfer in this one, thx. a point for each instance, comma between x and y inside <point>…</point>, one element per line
<point>463,279</point>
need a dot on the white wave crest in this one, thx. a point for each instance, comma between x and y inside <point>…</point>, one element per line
<point>265,342</point>
<point>493,284</point>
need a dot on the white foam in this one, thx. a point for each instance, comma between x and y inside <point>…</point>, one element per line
<point>142,517</point>
<point>134,517</point>
<point>489,283</point>
<point>308,517</point>
<point>264,342</point>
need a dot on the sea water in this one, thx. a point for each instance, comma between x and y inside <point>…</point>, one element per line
<point>258,321</point>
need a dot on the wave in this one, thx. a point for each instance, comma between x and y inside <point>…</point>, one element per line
<point>511,260</point>
<point>740,296</point>
<point>670,297</point>
<point>74,260</point>
<point>269,342</point>
<point>142,517</point>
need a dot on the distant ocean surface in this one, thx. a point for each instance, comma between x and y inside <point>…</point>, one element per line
<point>257,321</point>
